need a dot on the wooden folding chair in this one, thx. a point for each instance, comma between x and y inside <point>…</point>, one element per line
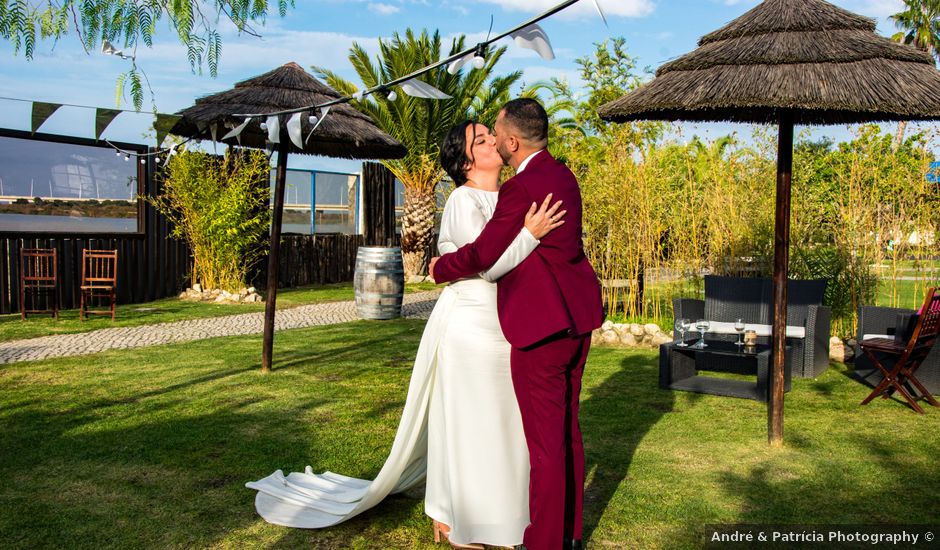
<point>99,280</point>
<point>908,356</point>
<point>38,278</point>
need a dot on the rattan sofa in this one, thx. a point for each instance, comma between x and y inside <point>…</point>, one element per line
<point>889,322</point>
<point>730,298</point>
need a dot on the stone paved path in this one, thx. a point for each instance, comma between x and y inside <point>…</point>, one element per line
<point>417,305</point>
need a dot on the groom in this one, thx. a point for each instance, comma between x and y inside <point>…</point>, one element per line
<point>547,306</point>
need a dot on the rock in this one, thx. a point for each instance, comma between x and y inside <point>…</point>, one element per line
<point>220,298</point>
<point>652,329</point>
<point>607,325</point>
<point>610,337</point>
<point>840,351</point>
<point>851,343</point>
<point>661,339</point>
<point>628,339</point>
<point>243,292</point>
<point>619,328</point>
<point>197,287</point>
<point>252,290</point>
<point>637,330</point>
<point>595,337</point>
<point>183,295</point>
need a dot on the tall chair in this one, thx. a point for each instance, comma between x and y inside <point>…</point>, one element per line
<point>99,280</point>
<point>907,356</point>
<point>38,278</point>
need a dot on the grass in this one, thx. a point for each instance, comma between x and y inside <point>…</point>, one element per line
<point>910,294</point>
<point>151,447</point>
<point>12,327</point>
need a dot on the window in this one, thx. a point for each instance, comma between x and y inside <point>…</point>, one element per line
<point>67,187</point>
<point>335,209</point>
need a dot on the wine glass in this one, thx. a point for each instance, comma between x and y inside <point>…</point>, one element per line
<point>682,325</point>
<point>702,326</point>
<point>739,326</point>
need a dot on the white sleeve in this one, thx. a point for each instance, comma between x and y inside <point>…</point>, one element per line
<point>523,245</point>
<point>461,223</point>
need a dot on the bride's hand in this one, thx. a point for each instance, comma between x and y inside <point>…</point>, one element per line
<point>540,221</point>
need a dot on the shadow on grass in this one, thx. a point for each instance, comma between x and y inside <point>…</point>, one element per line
<point>771,493</point>
<point>615,419</point>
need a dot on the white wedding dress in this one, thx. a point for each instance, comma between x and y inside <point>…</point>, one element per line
<point>460,427</point>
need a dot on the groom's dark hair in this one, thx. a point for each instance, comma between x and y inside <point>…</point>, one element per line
<point>528,117</point>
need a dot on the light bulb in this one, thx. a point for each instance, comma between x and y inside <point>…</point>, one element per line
<point>264,125</point>
<point>143,161</point>
<point>312,119</point>
<point>479,62</point>
<point>173,151</point>
<point>392,96</point>
<point>127,158</point>
<point>117,153</point>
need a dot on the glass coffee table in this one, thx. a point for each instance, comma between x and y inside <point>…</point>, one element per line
<point>680,368</point>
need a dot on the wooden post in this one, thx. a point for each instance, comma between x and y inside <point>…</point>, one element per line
<point>781,267</point>
<point>273,256</point>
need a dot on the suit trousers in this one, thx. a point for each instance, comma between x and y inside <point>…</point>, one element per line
<point>547,380</point>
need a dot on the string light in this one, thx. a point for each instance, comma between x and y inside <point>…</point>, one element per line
<point>479,56</point>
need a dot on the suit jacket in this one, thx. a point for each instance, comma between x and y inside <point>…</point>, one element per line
<point>555,288</point>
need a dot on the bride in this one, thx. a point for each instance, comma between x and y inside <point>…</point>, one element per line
<point>460,429</point>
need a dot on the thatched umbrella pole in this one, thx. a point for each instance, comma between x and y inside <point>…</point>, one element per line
<point>280,181</point>
<point>781,269</point>
<point>788,62</point>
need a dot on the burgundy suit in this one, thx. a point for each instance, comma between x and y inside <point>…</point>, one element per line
<point>547,308</point>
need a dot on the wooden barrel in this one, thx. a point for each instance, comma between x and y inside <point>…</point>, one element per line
<point>379,282</point>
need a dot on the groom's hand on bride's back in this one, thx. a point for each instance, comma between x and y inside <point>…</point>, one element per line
<point>431,268</point>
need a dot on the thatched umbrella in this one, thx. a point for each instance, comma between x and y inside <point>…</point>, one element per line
<point>344,132</point>
<point>788,62</point>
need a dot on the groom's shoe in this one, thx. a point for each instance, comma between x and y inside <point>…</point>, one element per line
<point>573,544</point>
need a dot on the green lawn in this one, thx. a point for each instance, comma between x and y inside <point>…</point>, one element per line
<point>12,327</point>
<point>910,294</point>
<point>151,447</point>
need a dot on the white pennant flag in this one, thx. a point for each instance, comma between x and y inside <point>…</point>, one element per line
<point>236,132</point>
<point>417,88</point>
<point>601,12</point>
<point>534,37</point>
<point>294,132</point>
<point>456,64</point>
<point>214,130</point>
<point>323,112</point>
<point>274,129</point>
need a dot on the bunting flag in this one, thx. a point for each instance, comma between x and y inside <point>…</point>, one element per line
<point>103,118</point>
<point>162,124</point>
<point>417,88</point>
<point>456,64</point>
<point>274,129</point>
<point>601,13</point>
<point>236,132</point>
<point>534,37</point>
<point>294,131</point>
<point>41,112</point>
<point>323,112</point>
<point>214,131</point>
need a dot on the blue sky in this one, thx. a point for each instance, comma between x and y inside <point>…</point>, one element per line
<point>321,32</point>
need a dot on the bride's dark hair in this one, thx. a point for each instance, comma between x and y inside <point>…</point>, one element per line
<point>453,153</point>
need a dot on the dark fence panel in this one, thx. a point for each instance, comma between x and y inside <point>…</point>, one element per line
<point>313,259</point>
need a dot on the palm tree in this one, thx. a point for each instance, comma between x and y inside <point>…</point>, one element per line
<point>420,124</point>
<point>920,27</point>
